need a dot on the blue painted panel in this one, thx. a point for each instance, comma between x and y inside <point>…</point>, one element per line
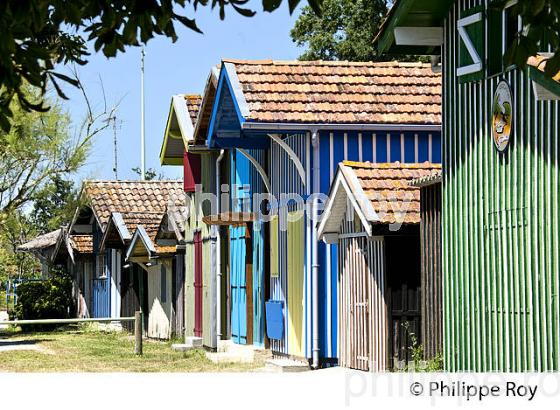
<point>324,161</point>
<point>275,319</point>
<point>334,292</point>
<point>367,146</point>
<point>101,300</point>
<point>395,147</point>
<point>409,147</point>
<point>238,284</point>
<point>436,147</point>
<point>381,146</point>
<point>352,146</point>
<point>423,147</point>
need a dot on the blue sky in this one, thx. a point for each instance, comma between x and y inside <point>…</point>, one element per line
<point>171,68</point>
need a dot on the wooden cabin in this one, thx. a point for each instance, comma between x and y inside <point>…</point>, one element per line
<point>160,254</point>
<point>373,215</point>
<point>183,144</point>
<point>430,259</point>
<point>287,125</point>
<point>92,248</point>
<point>500,186</point>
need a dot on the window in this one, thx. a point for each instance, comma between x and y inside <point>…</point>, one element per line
<point>503,26</point>
<point>470,30</point>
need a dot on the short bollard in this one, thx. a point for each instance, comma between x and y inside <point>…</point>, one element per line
<point>138,333</point>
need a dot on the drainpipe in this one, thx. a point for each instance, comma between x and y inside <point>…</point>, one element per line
<point>315,250</point>
<point>218,255</point>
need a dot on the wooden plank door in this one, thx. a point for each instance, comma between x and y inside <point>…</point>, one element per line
<point>198,284</point>
<point>238,284</point>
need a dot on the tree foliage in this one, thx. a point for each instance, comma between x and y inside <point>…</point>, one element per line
<point>54,205</point>
<point>344,31</point>
<point>16,228</point>
<point>47,299</point>
<point>38,35</point>
<point>541,25</point>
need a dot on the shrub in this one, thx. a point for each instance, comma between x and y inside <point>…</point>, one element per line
<point>47,299</point>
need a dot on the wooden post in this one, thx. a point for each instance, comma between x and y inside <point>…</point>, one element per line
<point>138,333</point>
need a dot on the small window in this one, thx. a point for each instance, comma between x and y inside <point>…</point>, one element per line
<point>163,284</point>
<point>503,26</point>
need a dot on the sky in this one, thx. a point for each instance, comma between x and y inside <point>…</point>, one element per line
<point>170,68</point>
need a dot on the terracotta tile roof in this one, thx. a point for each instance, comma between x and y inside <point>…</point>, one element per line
<point>82,243</point>
<point>387,187</point>
<point>193,105</point>
<point>149,220</point>
<point>139,197</point>
<point>427,180</point>
<point>340,92</point>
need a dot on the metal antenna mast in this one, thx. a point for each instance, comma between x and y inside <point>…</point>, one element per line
<point>115,154</point>
<point>142,126</point>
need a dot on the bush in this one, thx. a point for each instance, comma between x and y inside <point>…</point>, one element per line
<point>47,299</point>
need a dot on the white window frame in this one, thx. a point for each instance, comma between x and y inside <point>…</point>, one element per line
<point>477,60</point>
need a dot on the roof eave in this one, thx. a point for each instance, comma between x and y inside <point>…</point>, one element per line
<point>384,42</point>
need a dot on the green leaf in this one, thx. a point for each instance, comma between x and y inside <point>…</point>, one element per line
<point>189,23</point>
<point>271,5</point>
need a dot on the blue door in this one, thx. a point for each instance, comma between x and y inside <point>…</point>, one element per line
<point>238,281</point>
<point>240,180</point>
<point>101,300</point>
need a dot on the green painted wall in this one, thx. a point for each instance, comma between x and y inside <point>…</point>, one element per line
<point>500,225</point>
<point>195,223</point>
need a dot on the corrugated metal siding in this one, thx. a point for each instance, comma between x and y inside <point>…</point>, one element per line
<point>285,179</point>
<point>430,237</point>
<point>500,226</point>
<point>258,255</point>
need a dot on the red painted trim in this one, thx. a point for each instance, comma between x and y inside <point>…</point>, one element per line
<point>191,168</point>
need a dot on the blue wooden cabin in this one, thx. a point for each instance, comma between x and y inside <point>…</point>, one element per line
<point>287,125</point>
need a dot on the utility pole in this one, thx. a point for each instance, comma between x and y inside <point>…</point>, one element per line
<point>142,125</point>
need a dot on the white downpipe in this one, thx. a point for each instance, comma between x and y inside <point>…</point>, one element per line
<point>218,256</point>
<point>315,250</point>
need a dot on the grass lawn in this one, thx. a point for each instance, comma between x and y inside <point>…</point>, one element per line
<point>86,349</point>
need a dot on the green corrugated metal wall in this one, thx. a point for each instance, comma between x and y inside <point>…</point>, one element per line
<point>500,225</point>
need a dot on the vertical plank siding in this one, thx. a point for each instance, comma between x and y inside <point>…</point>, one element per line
<point>208,237</point>
<point>372,146</point>
<point>500,224</point>
<point>363,334</point>
<point>430,239</point>
<point>335,146</point>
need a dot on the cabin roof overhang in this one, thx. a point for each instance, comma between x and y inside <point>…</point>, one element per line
<point>179,132</point>
<point>229,113</point>
<point>116,233</point>
<point>345,190</point>
<point>413,27</point>
<point>141,245</point>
